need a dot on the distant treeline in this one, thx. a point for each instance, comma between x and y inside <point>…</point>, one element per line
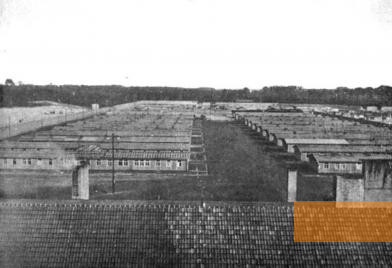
<point>21,95</point>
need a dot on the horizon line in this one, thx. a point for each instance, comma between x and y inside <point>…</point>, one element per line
<point>199,87</point>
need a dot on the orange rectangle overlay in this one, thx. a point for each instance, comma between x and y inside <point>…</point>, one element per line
<point>343,221</point>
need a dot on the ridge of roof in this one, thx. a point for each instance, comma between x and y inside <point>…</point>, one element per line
<point>130,203</point>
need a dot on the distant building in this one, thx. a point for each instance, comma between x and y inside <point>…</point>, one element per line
<point>244,100</point>
<point>153,143</point>
<point>349,163</point>
<point>124,161</point>
<point>290,143</point>
<point>95,106</point>
<point>386,109</point>
<point>372,108</point>
<point>336,163</point>
<point>302,151</point>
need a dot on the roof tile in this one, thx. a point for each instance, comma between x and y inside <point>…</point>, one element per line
<point>153,233</point>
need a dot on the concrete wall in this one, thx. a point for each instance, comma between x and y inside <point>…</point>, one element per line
<point>378,195</point>
<point>378,174</point>
<point>348,189</point>
<point>17,129</point>
<point>80,182</point>
<point>378,180</point>
<point>292,185</point>
<point>376,184</point>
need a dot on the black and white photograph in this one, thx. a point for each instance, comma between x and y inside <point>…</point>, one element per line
<point>195,133</point>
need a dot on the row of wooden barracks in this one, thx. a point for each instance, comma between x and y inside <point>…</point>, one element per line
<point>331,145</point>
<point>141,141</point>
<point>356,156</point>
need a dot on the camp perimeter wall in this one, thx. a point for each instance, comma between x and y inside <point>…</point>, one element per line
<point>17,129</point>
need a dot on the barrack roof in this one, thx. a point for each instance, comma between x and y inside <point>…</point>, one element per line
<point>98,154</point>
<point>105,145</point>
<point>53,154</point>
<point>346,157</point>
<point>336,148</point>
<point>378,157</point>
<point>316,141</point>
<point>181,234</point>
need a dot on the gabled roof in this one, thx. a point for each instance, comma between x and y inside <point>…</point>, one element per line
<point>378,157</point>
<point>93,151</point>
<point>52,154</point>
<point>157,233</point>
<point>340,148</point>
<point>37,145</point>
<point>316,141</point>
<point>345,157</point>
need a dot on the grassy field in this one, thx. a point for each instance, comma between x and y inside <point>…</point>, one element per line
<point>315,189</point>
<point>43,185</point>
<point>241,166</point>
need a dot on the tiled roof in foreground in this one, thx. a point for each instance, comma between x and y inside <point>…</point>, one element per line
<point>156,233</point>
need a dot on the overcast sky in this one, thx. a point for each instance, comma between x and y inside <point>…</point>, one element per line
<point>197,43</point>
